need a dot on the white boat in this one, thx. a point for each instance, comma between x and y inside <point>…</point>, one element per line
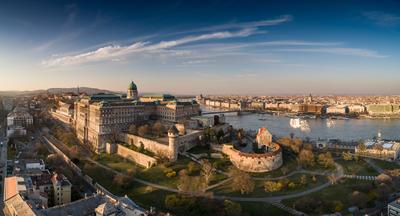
<point>330,123</point>
<point>304,126</point>
<point>295,123</point>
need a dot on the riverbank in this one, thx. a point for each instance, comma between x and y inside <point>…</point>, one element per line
<point>353,129</point>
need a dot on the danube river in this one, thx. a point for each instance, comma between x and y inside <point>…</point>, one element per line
<point>346,130</point>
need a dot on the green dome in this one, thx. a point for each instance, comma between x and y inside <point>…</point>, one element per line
<point>132,86</point>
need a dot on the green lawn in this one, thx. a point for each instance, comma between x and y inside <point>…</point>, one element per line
<point>386,165</point>
<point>259,190</point>
<point>338,192</point>
<point>11,153</point>
<point>256,209</point>
<point>157,173</point>
<point>116,162</point>
<point>357,168</point>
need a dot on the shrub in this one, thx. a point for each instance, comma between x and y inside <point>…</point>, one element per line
<point>171,174</point>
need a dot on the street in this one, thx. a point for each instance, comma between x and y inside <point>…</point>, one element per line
<point>3,163</point>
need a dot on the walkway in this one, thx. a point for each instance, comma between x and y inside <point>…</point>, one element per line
<point>373,165</point>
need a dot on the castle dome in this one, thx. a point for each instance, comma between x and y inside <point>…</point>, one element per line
<point>132,86</point>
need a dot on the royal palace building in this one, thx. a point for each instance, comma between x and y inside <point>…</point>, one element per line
<point>99,117</point>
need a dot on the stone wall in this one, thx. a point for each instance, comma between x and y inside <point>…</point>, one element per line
<point>148,144</point>
<point>135,156</point>
<point>253,162</point>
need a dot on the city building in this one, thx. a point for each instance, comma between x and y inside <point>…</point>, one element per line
<point>393,208</point>
<point>64,112</point>
<point>99,116</point>
<point>17,122</point>
<point>62,189</point>
<point>380,149</point>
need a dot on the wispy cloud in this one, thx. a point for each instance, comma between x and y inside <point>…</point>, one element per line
<point>381,18</point>
<point>115,51</point>
<point>242,25</point>
<point>339,51</point>
<point>216,32</point>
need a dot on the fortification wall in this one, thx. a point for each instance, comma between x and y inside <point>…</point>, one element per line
<point>135,156</point>
<point>148,144</point>
<point>253,162</point>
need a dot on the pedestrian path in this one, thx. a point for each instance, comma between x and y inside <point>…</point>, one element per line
<point>368,178</point>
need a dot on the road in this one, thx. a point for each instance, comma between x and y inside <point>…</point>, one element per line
<point>3,163</point>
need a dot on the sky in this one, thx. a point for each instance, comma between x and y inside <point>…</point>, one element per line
<point>209,47</point>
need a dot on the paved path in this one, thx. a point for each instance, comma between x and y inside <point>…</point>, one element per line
<point>293,173</point>
<point>373,165</point>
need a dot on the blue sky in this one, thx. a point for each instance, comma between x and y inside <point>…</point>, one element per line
<point>212,47</point>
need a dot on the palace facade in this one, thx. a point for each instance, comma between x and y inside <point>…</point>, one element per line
<point>98,117</point>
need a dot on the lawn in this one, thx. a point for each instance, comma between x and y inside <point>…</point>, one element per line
<point>386,165</point>
<point>357,168</point>
<point>259,190</point>
<point>11,153</point>
<point>157,174</point>
<point>255,209</point>
<point>338,192</point>
<point>116,162</point>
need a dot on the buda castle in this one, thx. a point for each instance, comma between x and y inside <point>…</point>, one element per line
<point>98,117</point>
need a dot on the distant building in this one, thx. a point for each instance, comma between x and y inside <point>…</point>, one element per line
<point>383,109</point>
<point>337,109</point>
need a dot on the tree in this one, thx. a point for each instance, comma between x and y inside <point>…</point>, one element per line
<point>133,129</point>
<point>326,160</point>
<point>361,147</point>
<point>158,129</point>
<point>332,179</point>
<point>122,180</point>
<point>271,186</point>
<point>240,135</point>
<point>306,158</point>
<point>207,170</point>
<point>232,208</point>
<point>303,179</point>
<point>220,135</point>
<point>383,178</point>
<point>190,184</point>
<point>338,206</point>
<point>359,198</point>
<point>347,156</point>
<point>241,181</point>
<point>292,185</point>
<point>114,135</point>
<point>144,130</point>
<point>191,167</point>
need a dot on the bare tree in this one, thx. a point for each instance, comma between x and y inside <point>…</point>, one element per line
<point>144,130</point>
<point>241,181</point>
<point>207,170</point>
<point>158,129</point>
<point>114,135</point>
<point>132,129</point>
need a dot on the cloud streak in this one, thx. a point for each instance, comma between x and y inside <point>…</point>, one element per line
<point>115,51</point>
<point>381,18</point>
<point>339,51</point>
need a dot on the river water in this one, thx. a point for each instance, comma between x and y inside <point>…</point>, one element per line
<point>346,130</point>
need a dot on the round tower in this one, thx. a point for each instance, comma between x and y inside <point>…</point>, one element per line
<point>132,91</point>
<point>173,134</point>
